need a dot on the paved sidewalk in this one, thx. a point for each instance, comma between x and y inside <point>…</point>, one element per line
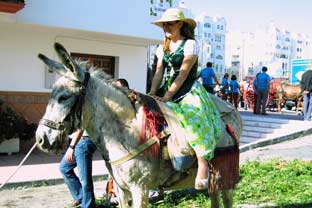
<point>42,168</point>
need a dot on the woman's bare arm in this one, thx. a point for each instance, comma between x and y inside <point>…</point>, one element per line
<point>187,64</point>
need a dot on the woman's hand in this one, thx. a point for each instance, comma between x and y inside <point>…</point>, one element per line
<point>163,99</point>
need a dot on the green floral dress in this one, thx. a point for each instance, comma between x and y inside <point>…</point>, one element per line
<point>193,106</point>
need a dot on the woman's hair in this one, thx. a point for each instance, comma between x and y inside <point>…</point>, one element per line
<point>186,31</point>
<point>226,75</point>
<point>233,77</point>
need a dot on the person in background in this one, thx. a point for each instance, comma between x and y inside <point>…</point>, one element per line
<point>122,83</point>
<point>206,75</point>
<point>79,154</point>
<point>225,87</point>
<point>306,86</point>
<point>254,87</point>
<point>175,82</point>
<point>263,87</point>
<point>234,90</point>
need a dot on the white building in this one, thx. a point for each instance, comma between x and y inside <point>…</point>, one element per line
<point>301,47</point>
<point>211,33</point>
<point>114,35</point>
<point>241,53</point>
<point>270,46</point>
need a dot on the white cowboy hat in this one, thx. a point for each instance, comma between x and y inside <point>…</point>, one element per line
<point>174,14</point>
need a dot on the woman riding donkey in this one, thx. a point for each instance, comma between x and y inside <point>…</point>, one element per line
<point>177,72</point>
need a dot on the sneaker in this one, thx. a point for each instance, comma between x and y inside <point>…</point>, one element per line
<point>73,204</point>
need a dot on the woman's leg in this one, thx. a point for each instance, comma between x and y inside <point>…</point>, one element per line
<point>235,97</point>
<point>201,181</point>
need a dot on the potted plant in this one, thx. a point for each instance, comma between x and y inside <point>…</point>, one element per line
<point>13,128</point>
<point>11,6</point>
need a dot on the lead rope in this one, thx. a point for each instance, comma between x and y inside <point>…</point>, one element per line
<point>19,166</point>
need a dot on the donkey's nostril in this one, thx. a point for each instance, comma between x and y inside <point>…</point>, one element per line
<point>40,141</point>
<point>43,142</point>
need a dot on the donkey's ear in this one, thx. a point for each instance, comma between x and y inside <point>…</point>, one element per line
<point>55,66</point>
<point>69,62</point>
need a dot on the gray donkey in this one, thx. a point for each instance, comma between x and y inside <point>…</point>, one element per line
<point>90,101</point>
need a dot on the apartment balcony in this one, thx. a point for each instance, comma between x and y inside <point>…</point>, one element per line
<point>11,6</point>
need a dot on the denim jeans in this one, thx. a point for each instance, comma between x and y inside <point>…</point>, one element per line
<point>307,99</point>
<point>81,190</point>
<point>262,98</point>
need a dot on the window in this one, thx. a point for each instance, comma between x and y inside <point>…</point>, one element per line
<point>219,57</point>
<point>207,25</point>
<point>105,63</point>
<point>283,56</point>
<point>218,38</point>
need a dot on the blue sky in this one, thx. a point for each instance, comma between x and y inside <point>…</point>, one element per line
<point>247,15</point>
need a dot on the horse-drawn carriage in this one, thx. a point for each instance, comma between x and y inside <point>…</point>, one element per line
<point>281,94</point>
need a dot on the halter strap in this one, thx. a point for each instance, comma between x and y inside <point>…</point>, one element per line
<point>76,110</point>
<point>52,124</point>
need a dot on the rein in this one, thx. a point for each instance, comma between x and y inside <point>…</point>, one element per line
<point>76,110</point>
<point>140,148</point>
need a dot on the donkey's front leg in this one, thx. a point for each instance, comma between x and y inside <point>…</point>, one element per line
<point>139,196</point>
<point>124,197</point>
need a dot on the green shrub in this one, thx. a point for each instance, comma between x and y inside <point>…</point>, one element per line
<point>13,125</point>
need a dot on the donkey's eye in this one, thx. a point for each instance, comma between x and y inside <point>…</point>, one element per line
<point>62,98</point>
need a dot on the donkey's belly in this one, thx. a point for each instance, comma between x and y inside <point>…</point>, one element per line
<point>181,180</point>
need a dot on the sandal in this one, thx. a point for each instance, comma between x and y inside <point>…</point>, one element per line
<point>201,184</point>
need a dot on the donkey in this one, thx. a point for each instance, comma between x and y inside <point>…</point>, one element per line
<point>92,102</point>
<point>286,92</point>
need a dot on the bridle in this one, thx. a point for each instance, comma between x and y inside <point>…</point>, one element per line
<point>75,112</point>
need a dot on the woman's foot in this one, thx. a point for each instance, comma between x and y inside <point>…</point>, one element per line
<point>201,184</point>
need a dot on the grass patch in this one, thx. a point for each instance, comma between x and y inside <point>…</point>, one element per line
<point>275,183</point>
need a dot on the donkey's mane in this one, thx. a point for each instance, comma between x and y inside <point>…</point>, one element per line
<point>115,97</point>
<point>96,72</point>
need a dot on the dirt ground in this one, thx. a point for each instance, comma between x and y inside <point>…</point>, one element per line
<point>57,196</point>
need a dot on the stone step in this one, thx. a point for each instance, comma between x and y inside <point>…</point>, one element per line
<point>255,128</point>
<point>253,134</point>
<point>262,124</point>
<point>264,119</point>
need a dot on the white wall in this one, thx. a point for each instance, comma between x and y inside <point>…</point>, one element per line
<point>131,18</point>
<point>21,70</point>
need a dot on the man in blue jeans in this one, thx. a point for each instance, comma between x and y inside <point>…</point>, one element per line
<point>79,154</point>
<point>263,88</point>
